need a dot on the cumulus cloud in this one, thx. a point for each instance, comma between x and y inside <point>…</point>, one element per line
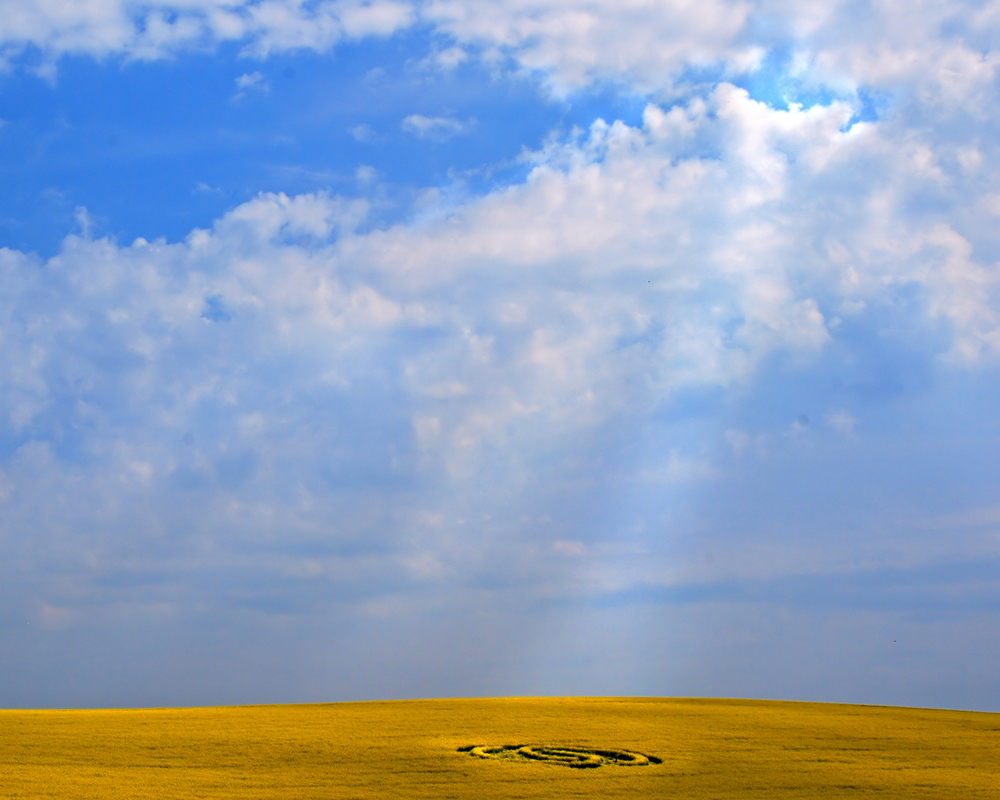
<point>939,51</point>
<point>283,368</point>
<point>642,42</point>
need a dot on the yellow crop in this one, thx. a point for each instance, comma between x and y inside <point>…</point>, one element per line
<point>510,748</point>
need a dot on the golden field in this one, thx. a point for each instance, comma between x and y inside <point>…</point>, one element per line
<point>409,749</point>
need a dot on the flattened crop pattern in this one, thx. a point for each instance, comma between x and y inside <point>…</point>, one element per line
<point>575,757</point>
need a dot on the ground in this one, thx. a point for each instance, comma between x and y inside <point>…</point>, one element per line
<point>410,749</point>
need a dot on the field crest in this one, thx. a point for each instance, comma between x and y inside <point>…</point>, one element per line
<point>718,749</point>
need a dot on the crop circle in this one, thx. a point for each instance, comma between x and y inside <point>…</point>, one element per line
<point>566,756</point>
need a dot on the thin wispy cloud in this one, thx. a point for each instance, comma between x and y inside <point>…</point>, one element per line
<point>252,82</point>
<point>436,129</point>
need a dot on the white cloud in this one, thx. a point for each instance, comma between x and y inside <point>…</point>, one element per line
<point>644,42</point>
<point>157,30</point>
<point>448,58</point>
<point>253,81</point>
<point>727,241</point>
<point>280,367</point>
<point>936,54</point>
<point>941,51</point>
<point>438,129</point>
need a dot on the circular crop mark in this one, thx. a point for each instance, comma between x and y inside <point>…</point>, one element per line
<point>575,757</point>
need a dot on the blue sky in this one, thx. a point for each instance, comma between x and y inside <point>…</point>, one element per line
<point>370,349</point>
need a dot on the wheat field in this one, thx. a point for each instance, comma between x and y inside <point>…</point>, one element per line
<point>469,749</point>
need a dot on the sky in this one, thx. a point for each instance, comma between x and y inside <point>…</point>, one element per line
<point>369,349</point>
